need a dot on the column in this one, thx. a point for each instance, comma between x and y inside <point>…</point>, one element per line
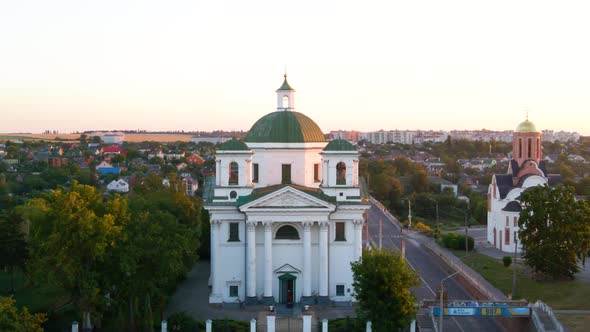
<point>268,298</point>
<point>218,172</point>
<point>358,239</point>
<point>215,282</point>
<point>323,263</point>
<point>306,263</point>
<point>251,269</point>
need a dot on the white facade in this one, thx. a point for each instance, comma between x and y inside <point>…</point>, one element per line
<point>277,241</point>
<point>119,186</point>
<point>502,221</point>
<point>525,171</point>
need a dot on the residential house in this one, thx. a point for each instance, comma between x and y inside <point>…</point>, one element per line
<point>119,186</point>
<point>106,168</point>
<point>195,159</point>
<point>190,184</point>
<point>113,149</point>
<point>181,166</point>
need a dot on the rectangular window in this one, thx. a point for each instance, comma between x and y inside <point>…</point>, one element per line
<point>286,174</point>
<point>255,175</point>
<point>507,236</point>
<point>515,221</point>
<point>339,290</point>
<point>507,221</point>
<point>316,172</point>
<point>234,232</point>
<point>530,146</point>
<point>340,232</point>
<point>520,148</point>
<point>233,291</point>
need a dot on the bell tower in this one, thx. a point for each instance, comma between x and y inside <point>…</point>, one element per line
<point>285,97</point>
<point>526,143</point>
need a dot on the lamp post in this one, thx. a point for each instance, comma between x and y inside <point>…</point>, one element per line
<point>409,214</point>
<point>436,204</point>
<point>466,242</point>
<point>514,267</point>
<point>442,310</point>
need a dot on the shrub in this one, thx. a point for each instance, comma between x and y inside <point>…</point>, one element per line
<point>457,242</point>
<point>507,260</point>
<point>420,226</point>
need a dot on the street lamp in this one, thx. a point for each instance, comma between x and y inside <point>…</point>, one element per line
<point>442,311</point>
<point>437,223</point>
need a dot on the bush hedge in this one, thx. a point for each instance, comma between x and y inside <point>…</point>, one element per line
<point>507,260</point>
<point>456,242</point>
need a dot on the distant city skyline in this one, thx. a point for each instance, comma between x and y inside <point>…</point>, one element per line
<point>188,65</point>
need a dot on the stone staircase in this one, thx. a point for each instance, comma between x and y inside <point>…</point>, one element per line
<point>544,319</point>
<point>424,321</point>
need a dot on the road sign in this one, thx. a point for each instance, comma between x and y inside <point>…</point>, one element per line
<point>484,311</point>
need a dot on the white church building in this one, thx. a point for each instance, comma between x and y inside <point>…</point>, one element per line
<point>286,213</point>
<point>526,170</point>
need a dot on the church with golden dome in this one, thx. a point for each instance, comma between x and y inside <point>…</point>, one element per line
<point>286,213</point>
<point>526,170</point>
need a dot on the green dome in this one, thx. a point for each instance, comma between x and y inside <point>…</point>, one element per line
<point>233,145</point>
<point>285,127</point>
<point>339,145</point>
<point>526,127</point>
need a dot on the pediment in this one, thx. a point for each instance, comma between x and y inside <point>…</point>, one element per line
<point>287,268</point>
<point>288,198</point>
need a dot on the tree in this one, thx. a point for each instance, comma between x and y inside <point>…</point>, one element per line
<point>13,247</point>
<point>11,320</point>
<point>554,230</point>
<point>382,282</point>
<point>70,241</point>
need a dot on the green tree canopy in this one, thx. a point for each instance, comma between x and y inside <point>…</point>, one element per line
<point>554,230</point>
<point>382,282</point>
<point>13,320</point>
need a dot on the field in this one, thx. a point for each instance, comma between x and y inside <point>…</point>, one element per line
<point>74,137</point>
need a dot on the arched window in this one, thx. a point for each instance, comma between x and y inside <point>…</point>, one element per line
<point>233,173</point>
<point>287,232</point>
<point>341,173</point>
<point>285,102</point>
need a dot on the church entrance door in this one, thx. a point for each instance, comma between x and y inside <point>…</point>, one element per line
<point>287,289</point>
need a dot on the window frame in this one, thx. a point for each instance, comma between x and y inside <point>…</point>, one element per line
<point>341,173</point>
<point>231,181</point>
<point>316,173</point>
<point>284,179</point>
<point>507,236</point>
<point>343,287</point>
<point>255,172</point>
<point>236,232</point>
<point>237,290</point>
<point>340,236</point>
<point>285,238</point>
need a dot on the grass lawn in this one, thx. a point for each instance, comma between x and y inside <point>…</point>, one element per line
<point>559,295</point>
<point>576,323</point>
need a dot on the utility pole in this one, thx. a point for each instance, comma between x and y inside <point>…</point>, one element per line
<point>403,248</point>
<point>380,233</point>
<point>409,214</point>
<point>466,242</point>
<point>514,267</point>
<point>442,310</point>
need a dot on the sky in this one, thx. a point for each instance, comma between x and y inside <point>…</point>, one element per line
<point>356,65</point>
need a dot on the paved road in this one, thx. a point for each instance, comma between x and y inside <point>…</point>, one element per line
<point>431,270</point>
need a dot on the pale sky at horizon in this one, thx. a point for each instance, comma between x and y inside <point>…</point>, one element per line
<point>364,65</point>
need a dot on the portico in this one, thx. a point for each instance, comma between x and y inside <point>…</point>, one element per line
<point>286,213</point>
